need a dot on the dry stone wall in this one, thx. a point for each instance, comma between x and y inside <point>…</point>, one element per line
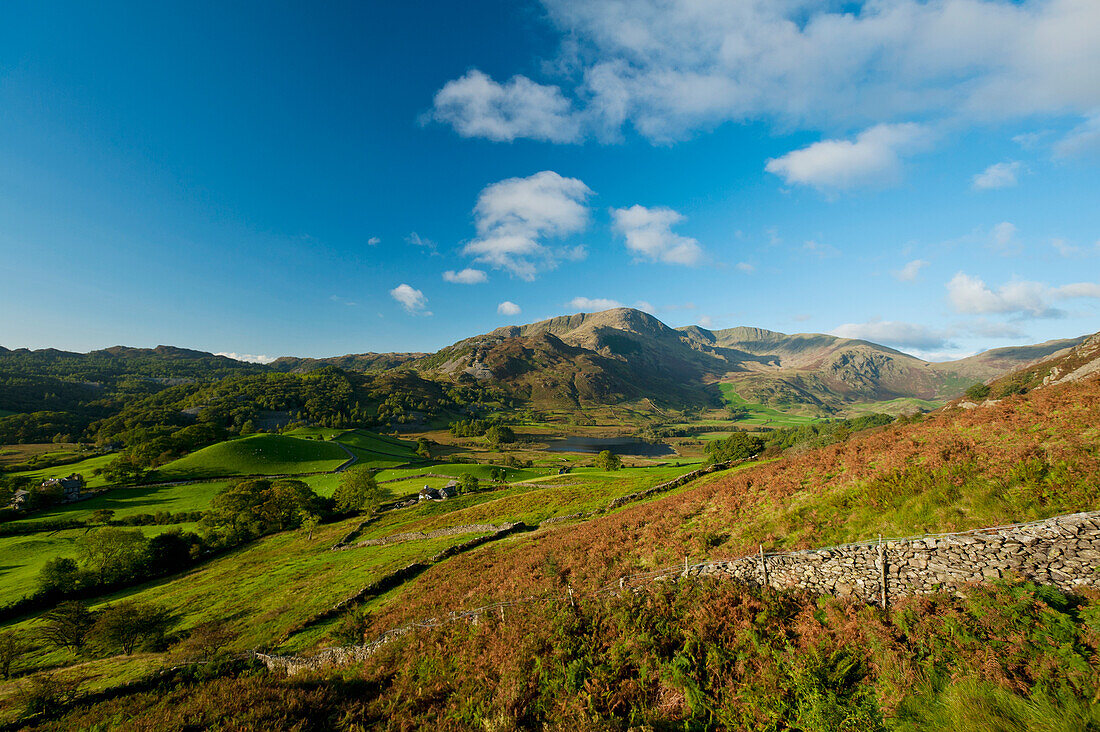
<point>1063,551</point>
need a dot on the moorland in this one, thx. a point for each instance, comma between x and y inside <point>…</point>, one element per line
<point>228,508</point>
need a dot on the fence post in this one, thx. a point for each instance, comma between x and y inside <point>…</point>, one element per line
<point>882,570</point>
<point>571,603</point>
<point>764,567</point>
<point>685,564</point>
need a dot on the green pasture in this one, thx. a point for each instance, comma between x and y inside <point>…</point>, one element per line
<point>131,501</point>
<point>86,468</point>
<point>22,557</point>
<point>901,405</point>
<point>761,415</point>
<point>261,454</point>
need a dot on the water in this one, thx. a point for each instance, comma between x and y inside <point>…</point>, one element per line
<point>618,445</point>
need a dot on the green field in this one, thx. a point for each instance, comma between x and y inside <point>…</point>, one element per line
<point>760,415</point>
<point>902,405</point>
<point>22,557</point>
<point>131,501</point>
<point>86,468</point>
<point>256,455</point>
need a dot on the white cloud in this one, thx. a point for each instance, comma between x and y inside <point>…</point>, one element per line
<point>1078,289</point>
<point>998,175</point>
<point>477,106</point>
<point>343,300</point>
<point>969,294</point>
<point>923,341</point>
<point>1003,238</point>
<point>508,308</point>
<point>592,305</point>
<point>646,306</point>
<point>894,333</point>
<point>514,216</point>
<point>910,271</point>
<point>820,250</point>
<point>872,159</point>
<point>746,267</point>
<point>418,241</point>
<point>1082,140</point>
<point>374,241</point>
<point>1064,248</point>
<point>648,233</point>
<point>468,276</point>
<point>668,69</point>
<point>411,299</point>
<point>246,357</point>
<point>706,321</point>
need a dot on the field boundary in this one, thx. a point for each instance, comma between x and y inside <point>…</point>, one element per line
<point>1063,551</point>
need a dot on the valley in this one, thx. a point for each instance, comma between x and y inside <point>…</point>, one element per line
<point>556,502</point>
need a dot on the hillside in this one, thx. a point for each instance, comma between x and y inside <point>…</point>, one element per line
<point>707,654</point>
<point>628,354</point>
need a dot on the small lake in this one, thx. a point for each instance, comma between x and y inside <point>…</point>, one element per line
<point>618,445</point>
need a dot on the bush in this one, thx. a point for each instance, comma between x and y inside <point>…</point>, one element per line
<point>608,460</point>
<point>500,434</point>
<point>357,491</point>
<point>125,625</point>
<point>977,392</point>
<point>738,446</point>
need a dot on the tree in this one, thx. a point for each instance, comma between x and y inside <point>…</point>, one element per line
<point>467,483</point>
<point>500,434</point>
<point>608,460</point>
<point>173,550</point>
<point>357,491</point>
<point>12,648</point>
<point>977,392</point>
<point>113,553</point>
<point>103,515</point>
<point>124,625</point>
<point>206,640</point>
<point>66,626</point>
<point>738,446</point>
<point>252,508</point>
<point>309,523</point>
<point>59,576</point>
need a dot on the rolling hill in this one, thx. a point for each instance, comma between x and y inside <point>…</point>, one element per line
<point>625,354</point>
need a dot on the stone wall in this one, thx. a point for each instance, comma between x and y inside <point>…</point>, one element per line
<point>1063,551</point>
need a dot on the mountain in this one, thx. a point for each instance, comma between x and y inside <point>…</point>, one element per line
<point>627,354</point>
<point>618,356</point>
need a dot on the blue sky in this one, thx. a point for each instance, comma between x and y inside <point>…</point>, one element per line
<point>278,178</point>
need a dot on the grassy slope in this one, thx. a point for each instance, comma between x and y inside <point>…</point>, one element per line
<point>22,557</point>
<point>760,415</point>
<point>954,470</point>
<point>256,455</point>
<point>84,467</point>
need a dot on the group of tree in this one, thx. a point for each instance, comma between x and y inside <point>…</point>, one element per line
<point>110,557</point>
<point>826,432</point>
<point>123,626</point>
<point>357,491</point>
<point>738,446</point>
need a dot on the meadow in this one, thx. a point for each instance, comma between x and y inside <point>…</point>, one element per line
<point>760,415</point>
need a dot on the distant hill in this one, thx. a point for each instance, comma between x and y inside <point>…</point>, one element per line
<point>624,354</point>
<point>617,356</point>
<point>361,362</point>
